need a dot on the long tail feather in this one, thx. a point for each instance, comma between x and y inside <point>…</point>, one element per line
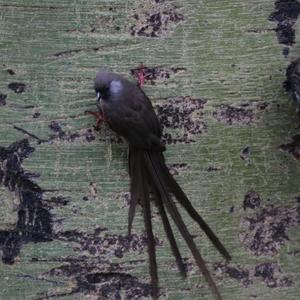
<point>185,202</point>
<point>134,184</point>
<point>170,234</point>
<point>154,170</point>
<point>134,165</point>
<point>144,196</point>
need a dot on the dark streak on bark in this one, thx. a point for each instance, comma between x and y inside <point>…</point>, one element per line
<point>260,30</point>
<point>213,169</point>
<point>17,87</point>
<point>286,14</point>
<point>34,220</point>
<point>10,72</point>
<point>74,51</point>
<point>30,134</point>
<point>71,52</point>
<point>60,134</point>
<point>57,201</point>
<point>292,83</point>
<point>3,99</point>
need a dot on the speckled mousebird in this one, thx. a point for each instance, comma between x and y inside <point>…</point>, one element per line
<point>129,112</point>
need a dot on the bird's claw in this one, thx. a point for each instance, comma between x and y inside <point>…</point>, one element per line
<point>141,75</point>
<point>98,115</point>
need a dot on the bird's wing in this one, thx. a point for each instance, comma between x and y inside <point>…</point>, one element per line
<point>134,118</point>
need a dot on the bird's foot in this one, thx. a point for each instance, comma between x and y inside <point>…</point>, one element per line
<point>99,117</point>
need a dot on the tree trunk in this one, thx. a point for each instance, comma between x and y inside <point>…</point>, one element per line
<point>214,71</point>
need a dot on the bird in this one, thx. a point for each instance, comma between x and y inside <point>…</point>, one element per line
<point>128,111</point>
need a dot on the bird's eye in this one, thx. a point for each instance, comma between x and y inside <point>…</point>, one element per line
<point>102,94</point>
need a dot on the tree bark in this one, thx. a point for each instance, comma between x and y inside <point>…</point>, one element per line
<point>214,71</point>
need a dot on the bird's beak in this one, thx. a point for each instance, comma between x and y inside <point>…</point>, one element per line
<point>98,96</point>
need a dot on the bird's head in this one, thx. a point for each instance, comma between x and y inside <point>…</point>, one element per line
<point>108,85</point>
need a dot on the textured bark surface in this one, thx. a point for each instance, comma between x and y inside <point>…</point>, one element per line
<point>214,71</point>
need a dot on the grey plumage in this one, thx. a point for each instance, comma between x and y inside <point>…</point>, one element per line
<point>129,112</point>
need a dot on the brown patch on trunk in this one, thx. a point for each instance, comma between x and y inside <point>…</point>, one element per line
<point>153,75</point>
<point>252,200</point>
<point>266,232</point>
<point>242,114</point>
<point>293,147</point>
<point>157,20</point>
<point>185,115</point>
